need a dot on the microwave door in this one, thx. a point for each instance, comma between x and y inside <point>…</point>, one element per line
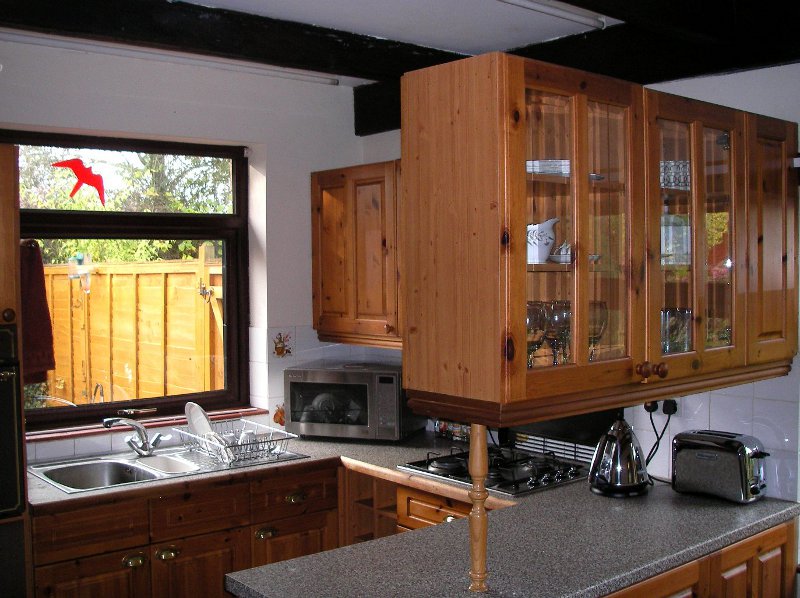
<point>330,409</point>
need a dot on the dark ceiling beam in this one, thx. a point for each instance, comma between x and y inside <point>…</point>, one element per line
<point>184,27</point>
<point>686,20</point>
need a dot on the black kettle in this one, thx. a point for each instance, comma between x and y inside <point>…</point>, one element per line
<point>618,467</point>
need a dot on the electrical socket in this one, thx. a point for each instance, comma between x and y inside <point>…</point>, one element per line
<point>651,406</point>
<point>669,406</point>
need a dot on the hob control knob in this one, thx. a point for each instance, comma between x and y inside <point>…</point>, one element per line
<point>545,479</point>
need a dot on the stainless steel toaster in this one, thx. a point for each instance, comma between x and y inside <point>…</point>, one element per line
<point>722,464</point>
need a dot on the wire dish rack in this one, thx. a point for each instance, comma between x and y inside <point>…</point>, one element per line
<point>238,440</point>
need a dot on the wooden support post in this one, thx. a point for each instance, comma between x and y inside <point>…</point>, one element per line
<point>478,524</point>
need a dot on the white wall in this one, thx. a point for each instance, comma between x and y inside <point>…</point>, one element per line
<point>767,410</point>
<point>292,128</point>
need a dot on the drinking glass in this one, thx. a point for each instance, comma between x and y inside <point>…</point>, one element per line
<point>558,331</point>
<point>598,319</point>
<point>536,324</point>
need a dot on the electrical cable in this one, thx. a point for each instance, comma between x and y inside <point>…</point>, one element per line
<point>657,443</point>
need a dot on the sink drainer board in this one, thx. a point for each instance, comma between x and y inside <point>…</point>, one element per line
<point>237,440</point>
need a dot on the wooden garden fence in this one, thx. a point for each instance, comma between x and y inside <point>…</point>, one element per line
<point>144,330</point>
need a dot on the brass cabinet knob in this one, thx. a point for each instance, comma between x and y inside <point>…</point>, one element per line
<point>167,554</point>
<point>133,560</point>
<point>449,519</point>
<point>265,533</point>
<point>295,498</point>
<point>389,328</point>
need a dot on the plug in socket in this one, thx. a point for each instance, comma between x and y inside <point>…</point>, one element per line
<point>669,407</point>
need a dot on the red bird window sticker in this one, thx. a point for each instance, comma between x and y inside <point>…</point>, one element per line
<point>85,176</point>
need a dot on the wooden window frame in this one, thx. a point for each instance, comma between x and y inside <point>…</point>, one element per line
<point>230,228</point>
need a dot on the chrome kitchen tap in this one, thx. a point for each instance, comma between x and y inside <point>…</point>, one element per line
<point>143,445</point>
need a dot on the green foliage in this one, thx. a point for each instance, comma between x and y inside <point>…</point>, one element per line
<point>134,183</point>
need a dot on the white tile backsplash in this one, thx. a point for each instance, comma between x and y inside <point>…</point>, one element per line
<point>258,345</point>
<point>55,449</point>
<point>731,413</point>
<point>775,424</point>
<point>772,419</point>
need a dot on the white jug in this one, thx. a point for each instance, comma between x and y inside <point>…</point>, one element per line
<point>541,239</point>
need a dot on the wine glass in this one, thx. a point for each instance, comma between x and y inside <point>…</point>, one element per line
<point>535,324</point>
<point>558,330</point>
<point>598,319</point>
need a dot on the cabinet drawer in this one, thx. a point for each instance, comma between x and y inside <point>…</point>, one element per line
<point>199,510</point>
<point>294,537</point>
<point>309,492</point>
<point>91,530</point>
<point>416,508</point>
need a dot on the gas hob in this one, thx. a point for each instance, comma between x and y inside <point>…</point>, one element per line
<point>512,471</point>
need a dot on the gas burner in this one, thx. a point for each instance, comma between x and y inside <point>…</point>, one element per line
<point>511,471</point>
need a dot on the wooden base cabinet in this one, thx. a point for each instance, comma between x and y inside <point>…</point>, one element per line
<point>369,507</point>
<point>182,542</point>
<point>762,566</point>
<point>354,254</point>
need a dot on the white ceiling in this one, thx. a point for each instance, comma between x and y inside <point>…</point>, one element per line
<point>464,26</point>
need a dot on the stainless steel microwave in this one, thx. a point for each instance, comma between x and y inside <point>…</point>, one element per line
<point>348,400</point>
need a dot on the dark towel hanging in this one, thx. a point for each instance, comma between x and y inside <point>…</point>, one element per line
<point>37,329</point>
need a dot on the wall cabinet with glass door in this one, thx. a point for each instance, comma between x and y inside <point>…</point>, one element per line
<point>570,246</point>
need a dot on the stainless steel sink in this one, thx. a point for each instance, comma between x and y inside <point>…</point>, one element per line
<point>113,471</point>
<point>93,474</point>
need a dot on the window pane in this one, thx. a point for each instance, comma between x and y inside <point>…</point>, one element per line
<point>58,178</point>
<point>132,319</point>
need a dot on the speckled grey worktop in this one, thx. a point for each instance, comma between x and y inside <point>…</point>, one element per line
<point>561,542</point>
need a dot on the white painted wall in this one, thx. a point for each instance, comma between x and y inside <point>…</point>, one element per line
<point>767,410</point>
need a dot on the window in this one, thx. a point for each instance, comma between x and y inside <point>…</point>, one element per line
<point>144,253</point>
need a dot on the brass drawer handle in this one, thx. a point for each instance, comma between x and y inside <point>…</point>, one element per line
<point>167,554</point>
<point>133,560</point>
<point>295,498</point>
<point>449,519</point>
<point>266,532</point>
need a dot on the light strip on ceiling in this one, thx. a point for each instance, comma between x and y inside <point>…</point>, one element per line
<point>561,11</point>
<point>182,58</point>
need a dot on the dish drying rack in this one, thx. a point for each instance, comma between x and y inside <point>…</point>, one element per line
<point>238,440</point>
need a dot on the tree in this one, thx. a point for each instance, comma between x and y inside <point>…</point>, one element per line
<point>134,182</point>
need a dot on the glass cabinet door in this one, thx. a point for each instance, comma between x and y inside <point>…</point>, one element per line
<point>696,284</point>
<point>676,276</point>
<point>607,233</point>
<point>550,230</point>
<point>579,222</point>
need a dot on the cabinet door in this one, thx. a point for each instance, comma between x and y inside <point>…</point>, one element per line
<point>196,566</point>
<point>762,566</point>
<point>772,240</point>
<point>584,285</point>
<point>294,537</point>
<point>681,582</point>
<point>123,574</point>
<point>697,234</point>
<point>354,258</point>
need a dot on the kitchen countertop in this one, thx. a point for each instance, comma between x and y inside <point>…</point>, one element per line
<point>560,542</point>
<point>565,541</point>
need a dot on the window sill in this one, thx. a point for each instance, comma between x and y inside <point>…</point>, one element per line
<point>154,422</point>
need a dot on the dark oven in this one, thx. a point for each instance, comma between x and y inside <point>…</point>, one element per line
<point>348,400</point>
